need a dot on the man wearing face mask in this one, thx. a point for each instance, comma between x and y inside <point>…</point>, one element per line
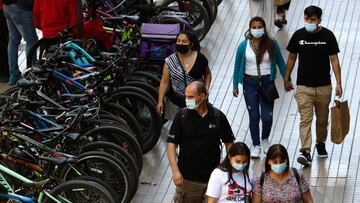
<point>316,47</point>
<point>197,130</point>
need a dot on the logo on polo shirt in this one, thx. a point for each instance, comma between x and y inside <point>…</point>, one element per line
<point>303,42</point>
<point>212,126</point>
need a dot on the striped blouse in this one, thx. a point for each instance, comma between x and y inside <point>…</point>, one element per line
<point>177,72</point>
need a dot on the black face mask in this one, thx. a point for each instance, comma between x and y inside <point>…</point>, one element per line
<point>182,48</point>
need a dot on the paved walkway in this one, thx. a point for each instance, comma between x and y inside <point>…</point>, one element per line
<point>335,179</point>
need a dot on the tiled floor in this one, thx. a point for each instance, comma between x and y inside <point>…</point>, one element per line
<point>335,179</point>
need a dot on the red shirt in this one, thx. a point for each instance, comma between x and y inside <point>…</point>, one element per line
<point>1,5</point>
<point>53,16</point>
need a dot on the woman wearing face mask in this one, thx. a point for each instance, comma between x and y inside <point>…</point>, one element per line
<point>280,183</point>
<point>180,69</point>
<point>232,180</point>
<point>256,60</point>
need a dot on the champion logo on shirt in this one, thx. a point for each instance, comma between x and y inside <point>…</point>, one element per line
<point>303,42</point>
<point>212,126</point>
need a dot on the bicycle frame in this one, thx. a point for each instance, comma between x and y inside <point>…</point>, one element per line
<point>12,195</point>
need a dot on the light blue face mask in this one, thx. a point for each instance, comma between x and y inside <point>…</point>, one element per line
<point>238,167</point>
<point>191,104</point>
<point>257,33</point>
<point>311,27</point>
<point>279,168</point>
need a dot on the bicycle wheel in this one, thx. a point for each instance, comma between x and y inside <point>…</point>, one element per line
<point>124,114</point>
<point>101,182</point>
<point>145,86</point>
<point>151,78</point>
<point>120,137</point>
<point>123,156</point>
<point>35,53</point>
<point>197,16</point>
<point>145,112</point>
<point>101,165</point>
<point>80,191</point>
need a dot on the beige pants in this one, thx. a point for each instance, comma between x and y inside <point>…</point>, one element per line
<point>309,99</point>
<point>190,192</point>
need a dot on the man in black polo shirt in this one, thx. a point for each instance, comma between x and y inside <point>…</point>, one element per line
<point>198,131</point>
<point>316,47</point>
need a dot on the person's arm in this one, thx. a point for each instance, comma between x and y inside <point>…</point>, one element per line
<point>256,198</point>
<point>164,84</point>
<point>207,78</point>
<point>228,145</point>
<point>334,59</point>
<point>289,68</point>
<point>177,177</point>
<point>212,200</point>
<point>280,59</point>
<point>236,72</point>
<point>36,14</point>
<point>307,197</point>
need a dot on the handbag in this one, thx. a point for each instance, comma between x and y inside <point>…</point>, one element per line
<point>268,92</point>
<point>340,121</point>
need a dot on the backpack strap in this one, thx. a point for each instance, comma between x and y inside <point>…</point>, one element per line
<point>262,177</point>
<point>297,176</point>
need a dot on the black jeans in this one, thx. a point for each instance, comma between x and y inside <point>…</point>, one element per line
<point>4,39</point>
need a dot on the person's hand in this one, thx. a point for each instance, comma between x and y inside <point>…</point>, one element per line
<point>178,178</point>
<point>235,92</point>
<point>160,107</point>
<point>339,90</point>
<point>288,86</point>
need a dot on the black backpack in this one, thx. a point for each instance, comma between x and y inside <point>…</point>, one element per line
<point>297,176</point>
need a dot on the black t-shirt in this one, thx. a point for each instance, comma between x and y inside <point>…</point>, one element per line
<point>313,50</point>
<point>199,141</point>
<point>200,65</point>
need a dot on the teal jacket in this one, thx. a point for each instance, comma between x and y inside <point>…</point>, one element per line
<point>239,68</point>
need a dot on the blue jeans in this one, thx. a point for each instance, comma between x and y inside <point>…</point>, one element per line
<point>21,25</point>
<point>258,108</point>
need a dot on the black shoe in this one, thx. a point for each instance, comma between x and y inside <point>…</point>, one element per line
<point>278,23</point>
<point>320,147</point>
<point>284,21</point>
<point>304,158</point>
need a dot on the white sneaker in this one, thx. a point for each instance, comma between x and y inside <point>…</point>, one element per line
<point>256,152</point>
<point>265,145</point>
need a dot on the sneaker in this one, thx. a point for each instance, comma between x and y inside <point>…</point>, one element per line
<point>265,145</point>
<point>278,24</point>
<point>13,79</point>
<point>256,152</point>
<point>320,147</point>
<point>304,158</point>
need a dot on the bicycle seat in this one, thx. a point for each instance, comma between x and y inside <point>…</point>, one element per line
<point>120,18</point>
<point>22,154</point>
<point>36,185</point>
<point>60,158</point>
<point>27,83</point>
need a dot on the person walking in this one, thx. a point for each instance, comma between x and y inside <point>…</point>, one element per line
<point>184,66</point>
<point>256,60</point>
<point>19,18</point>
<point>197,130</point>
<point>232,180</point>
<point>280,182</point>
<point>4,39</point>
<point>316,47</point>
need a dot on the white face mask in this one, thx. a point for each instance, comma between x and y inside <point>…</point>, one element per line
<point>191,104</point>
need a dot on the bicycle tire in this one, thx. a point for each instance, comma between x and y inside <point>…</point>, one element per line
<point>145,86</point>
<point>112,171</point>
<point>136,104</point>
<point>150,77</point>
<point>101,182</point>
<point>124,113</point>
<point>76,184</point>
<point>138,90</point>
<point>120,154</point>
<point>208,5</point>
<point>106,133</point>
<point>33,52</point>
